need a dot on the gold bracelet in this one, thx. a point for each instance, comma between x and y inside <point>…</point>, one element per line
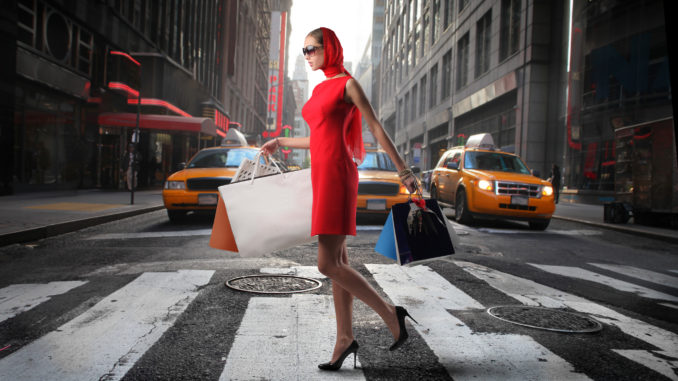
<point>404,173</point>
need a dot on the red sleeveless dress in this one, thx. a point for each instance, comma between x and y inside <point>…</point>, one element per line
<point>334,174</point>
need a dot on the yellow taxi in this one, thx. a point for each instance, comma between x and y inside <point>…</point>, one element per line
<point>195,187</point>
<point>379,186</point>
<point>483,182</point>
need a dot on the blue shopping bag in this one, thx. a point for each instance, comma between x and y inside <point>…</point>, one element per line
<point>398,243</point>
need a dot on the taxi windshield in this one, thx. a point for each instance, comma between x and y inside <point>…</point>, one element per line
<point>377,161</point>
<point>221,158</point>
<point>494,161</point>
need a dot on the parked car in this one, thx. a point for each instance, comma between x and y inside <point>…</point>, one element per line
<point>379,186</point>
<point>480,181</point>
<point>195,186</point>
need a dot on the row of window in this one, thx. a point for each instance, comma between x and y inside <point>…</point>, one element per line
<point>428,98</point>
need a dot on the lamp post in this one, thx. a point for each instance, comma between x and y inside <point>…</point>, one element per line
<point>135,141</point>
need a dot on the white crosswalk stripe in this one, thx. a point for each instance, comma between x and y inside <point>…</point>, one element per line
<point>534,294</point>
<point>465,354</point>
<point>579,273</point>
<point>646,275</point>
<point>106,341</point>
<point>293,335</point>
<point>19,298</point>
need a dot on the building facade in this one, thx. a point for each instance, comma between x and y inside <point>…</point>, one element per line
<point>530,73</point>
<point>300,85</point>
<point>84,70</point>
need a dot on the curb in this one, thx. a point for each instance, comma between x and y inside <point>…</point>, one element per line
<point>624,229</point>
<point>42,232</point>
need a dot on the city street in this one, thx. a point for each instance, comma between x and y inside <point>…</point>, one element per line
<point>144,299</point>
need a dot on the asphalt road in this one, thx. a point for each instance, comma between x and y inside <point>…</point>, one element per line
<point>143,299</point>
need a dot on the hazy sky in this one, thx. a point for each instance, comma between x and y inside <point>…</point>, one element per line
<point>351,20</point>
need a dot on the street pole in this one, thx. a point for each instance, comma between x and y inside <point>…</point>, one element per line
<point>135,141</point>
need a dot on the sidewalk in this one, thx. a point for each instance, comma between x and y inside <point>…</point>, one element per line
<point>32,216</point>
<point>593,215</point>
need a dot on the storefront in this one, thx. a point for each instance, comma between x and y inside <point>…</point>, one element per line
<point>618,77</point>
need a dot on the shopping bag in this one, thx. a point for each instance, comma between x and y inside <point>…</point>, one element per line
<point>253,167</point>
<point>222,234</point>
<point>406,242</point>
<point>269,213</point>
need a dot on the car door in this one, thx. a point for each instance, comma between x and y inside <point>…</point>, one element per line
<point>453,165</point>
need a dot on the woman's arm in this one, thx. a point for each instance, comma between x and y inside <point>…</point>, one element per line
<point>276,143</point>
<point>354,94</point>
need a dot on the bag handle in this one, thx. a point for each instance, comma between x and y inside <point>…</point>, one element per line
<point>256,165</point>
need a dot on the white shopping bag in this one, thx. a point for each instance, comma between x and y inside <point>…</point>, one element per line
<point>269,213</point>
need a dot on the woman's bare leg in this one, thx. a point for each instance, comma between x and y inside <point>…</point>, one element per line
<point>343,309</point>
<point>331,249</point>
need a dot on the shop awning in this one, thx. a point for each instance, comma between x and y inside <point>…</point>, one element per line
<point>159,122</point>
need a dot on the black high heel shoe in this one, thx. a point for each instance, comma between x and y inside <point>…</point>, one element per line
<point>402,314</point>
<point>353,348</point>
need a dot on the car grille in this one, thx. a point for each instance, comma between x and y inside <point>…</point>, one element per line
<point>207,183</point>
<point>380,189</point>
<point>518,207</point>
<point>506,188</point>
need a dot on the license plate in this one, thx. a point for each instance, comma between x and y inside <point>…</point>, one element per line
<point>377,204</point>
<point>208,199</point>
<point>519,200</point>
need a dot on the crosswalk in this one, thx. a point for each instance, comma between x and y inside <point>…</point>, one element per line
<point>283,338</point>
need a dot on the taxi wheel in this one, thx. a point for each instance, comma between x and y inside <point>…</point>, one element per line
<point>461,213</point>
<point>176,215</point>
<point>539,224</point>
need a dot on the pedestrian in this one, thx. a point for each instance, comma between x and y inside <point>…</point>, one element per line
<point>555,181</point>
<point>334,115</point>
<point>130,166</point>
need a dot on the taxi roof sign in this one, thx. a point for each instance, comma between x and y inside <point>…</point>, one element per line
<point>482,141</point>
<point>234,138</point>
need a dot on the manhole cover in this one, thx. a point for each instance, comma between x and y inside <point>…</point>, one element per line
<point>273,284</point>
<point>546,318</point>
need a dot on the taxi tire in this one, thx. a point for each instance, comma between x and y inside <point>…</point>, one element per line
<point>176,216</point>
<point>539,224</point>
<point>461,212</point>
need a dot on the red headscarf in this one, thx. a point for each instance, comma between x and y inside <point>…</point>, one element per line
<point>333,64</point>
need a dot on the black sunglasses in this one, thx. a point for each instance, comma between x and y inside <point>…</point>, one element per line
<point>310,50</point>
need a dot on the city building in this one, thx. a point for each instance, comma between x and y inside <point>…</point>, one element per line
<point>82,74</point>
<point>281,100</point>
<point>300,85</point>
<point>549,80</point>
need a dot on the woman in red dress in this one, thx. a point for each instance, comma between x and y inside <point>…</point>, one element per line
<point>334,115</point>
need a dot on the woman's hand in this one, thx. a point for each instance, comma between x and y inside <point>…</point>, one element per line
<point>270,146</point>
<point>410,182</point>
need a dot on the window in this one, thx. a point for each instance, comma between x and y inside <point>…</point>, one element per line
<point>424,42</point>
<point>483,31</point>
<point>435,32</point>
<point>413,104</point>
<point>433,100</point>
<point>462,61</point>
<point>510,28</point>
<point>406,117</point>
<point>462,5</point>
<point>447,17</point>
<point>446,75</point>
<point>422,95</point>
<point>400,117</point>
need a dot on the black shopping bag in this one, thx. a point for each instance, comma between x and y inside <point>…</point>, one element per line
<point>428,234</point>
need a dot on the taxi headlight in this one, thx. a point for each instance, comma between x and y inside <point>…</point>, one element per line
<point>485,185</point>
<point>403,190</point>
<point>175,185</point>
<point>547,190</point>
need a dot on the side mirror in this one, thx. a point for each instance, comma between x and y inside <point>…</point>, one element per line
<point>180,166</point>
<point>452,165</point>
<point>415,169</point>
<point>536,173</point>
